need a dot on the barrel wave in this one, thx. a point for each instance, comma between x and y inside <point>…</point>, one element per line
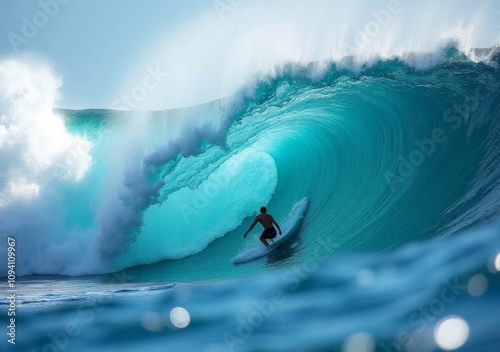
<point>387,154</point>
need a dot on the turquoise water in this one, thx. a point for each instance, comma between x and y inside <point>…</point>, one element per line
<point>362,147</point>
<point>402,169</point>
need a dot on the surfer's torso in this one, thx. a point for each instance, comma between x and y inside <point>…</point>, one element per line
<point>265,220</point>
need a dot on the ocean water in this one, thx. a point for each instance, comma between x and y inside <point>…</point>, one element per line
<point>125,229</point>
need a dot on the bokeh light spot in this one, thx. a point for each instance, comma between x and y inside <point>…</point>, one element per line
<point>497,262</point>
<point>180,317</point>
<point>359,342</point>
<point>152,321</point>
<point>451,333</point>
<point>477,285</point>
<point>365,277</point>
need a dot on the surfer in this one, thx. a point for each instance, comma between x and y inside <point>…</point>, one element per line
<point>267,221</point>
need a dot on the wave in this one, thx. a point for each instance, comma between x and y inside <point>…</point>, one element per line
<point>217,52</point>
<point>417,289</point>
<point>387,152</point>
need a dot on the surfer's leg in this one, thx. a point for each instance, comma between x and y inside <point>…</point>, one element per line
<point>263,240</point>
<point>264,237</point>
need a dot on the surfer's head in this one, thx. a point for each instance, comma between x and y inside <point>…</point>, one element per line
<point>263,209</point>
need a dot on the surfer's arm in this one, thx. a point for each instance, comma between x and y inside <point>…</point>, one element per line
<point>278,226</point>
<point>251,227</point>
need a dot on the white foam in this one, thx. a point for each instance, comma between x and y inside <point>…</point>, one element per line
<point>216,54</point>
<point>39,157</point>
<point>134,184</point>
<point>35,146</point>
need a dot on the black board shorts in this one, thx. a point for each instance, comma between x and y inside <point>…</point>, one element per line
<point>269,233</point>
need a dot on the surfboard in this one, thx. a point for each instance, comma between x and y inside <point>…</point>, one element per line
<point>288,227</point>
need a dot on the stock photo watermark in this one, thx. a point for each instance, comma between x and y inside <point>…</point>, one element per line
<point>407,166</point>
<point>224,6</point>
<point>11,291</point>
<point>425,317</point>
<point>379,21</point>
<point>210,189</point>
<point>132,100</point>
<point>263,309</point>
<point>85,314</point>
<point>32,25</point>
<point>455,117</point>
<point>201,200</point>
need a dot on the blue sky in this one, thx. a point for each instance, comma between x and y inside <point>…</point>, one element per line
<point>91,44</point>
<point>103,49</point>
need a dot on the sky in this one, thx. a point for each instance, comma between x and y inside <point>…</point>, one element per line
<point>91,44</point>
<point>110,54</point>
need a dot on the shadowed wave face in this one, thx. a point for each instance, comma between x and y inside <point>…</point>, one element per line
<point>388,155</point>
